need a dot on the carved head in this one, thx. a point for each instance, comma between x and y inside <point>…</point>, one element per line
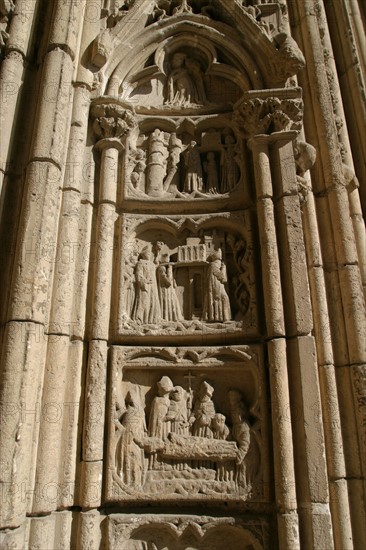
<point>145,253</point>
<point>178,393</point>
<point>218,422</point>
<point>178,60</point>
<point>165,385</point>
<point>206,389</point>
<point>216,255</point>
<point>239,410</point>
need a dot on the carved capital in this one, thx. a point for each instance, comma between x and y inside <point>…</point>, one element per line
<point>266,112</point>
<point>112,121</point>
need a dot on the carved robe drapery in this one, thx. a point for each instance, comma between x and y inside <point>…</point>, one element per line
<point>217,305</point>
<point>146,307</point>
<point>169,304</point>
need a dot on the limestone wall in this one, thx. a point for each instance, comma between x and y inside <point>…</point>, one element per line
<point>183,342</point>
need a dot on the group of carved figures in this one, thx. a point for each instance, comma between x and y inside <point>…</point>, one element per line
<point>179,417</point>
<point>178,169</point>
<point>150,289</point>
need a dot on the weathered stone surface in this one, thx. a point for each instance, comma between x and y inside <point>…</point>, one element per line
<point>184,320</point>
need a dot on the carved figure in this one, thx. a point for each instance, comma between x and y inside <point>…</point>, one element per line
<point>212,178</point>
<point>224,472</point>
<point>158,425</point>
<point>203,412</point>
<point>193,180</point>
<point>169,304</point>
<point>131,461</point>
<point>185,82</point>
<point>240,434</point>
<point>139,169</point>
<point>178,411</point>
<point>175,149</point>
<point>216,303</point>
<point>219,428</point>
<point>129,284</point>
<point>180,84</point>
<point>146,307</point>
<point>195,71</point>
<point>229,167</point>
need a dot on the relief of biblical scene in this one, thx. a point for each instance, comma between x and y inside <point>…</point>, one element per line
<point>185,76</point>
<point>181,278</point>
<point>198,164</point>
<point>190,432</point>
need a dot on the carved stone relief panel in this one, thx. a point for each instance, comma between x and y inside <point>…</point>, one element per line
<point>187,424</point>
<point>187,276</point>
<point>186,160</point>
<point>185,75</point>
<point>187,532</point>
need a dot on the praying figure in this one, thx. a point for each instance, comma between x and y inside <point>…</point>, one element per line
<point>216,304</point>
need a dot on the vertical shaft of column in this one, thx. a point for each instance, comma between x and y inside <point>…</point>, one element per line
<point>309,445</point>
<point>343,234</point>
<point>346,281</point>
<point>57,455</point>
<point>339,502</point>
<point>93,432</point>
<point>24,357</point>
<point>285,488</point>
<point>337,15</point>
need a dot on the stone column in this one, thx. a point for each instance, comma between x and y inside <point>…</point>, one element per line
<point>309,445</point>
<point>24,356</point>
<point>57,451</point>
<point>111,124</point>
<point>339,502</point>
<point>285,484</point>
<point>344,285</point>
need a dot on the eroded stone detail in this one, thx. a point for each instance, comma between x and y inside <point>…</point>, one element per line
<point>111,120</point>
<point>185,435</point>
<point>188,533</point>
<point>265,113</point>
<point>201,279</point>
<point>172,165</point>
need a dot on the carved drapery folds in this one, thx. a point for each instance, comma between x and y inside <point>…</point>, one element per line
<point>184,277</point>
<point>186,432</point>
<point>202,164</point>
